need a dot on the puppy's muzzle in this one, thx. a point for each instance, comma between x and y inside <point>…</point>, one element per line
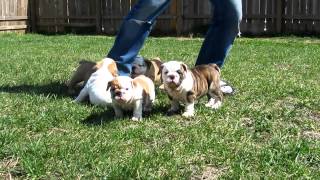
<point>118,93</point>
<point>171,77</point>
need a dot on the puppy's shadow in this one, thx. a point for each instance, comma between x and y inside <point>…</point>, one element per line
<point>56,89</point>
<point>99,119</point>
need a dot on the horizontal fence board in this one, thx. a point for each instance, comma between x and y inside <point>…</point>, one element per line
<point>14,15</point>
<point>13,27</point>
<point>14,18</point>
<point>182,17</point>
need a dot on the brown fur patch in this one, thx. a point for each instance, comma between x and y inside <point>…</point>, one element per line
<point>81,74</point>
<point>191,96</point>
<point>113,69</point>
<point>114,85</point>
<point>183,68</point>
<point>206,78</point>
<point>141,81</point>
<point>154,70</point>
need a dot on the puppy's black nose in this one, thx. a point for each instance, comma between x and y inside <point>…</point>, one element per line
<point>118,93</point>
<point>171,77</point>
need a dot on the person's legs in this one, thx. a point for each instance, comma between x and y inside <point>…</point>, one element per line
<point>227,15</point>
<point>133,32</point>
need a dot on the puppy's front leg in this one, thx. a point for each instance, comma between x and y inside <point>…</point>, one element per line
<point>118,111</point>
<point>189,110</point>
<point>174,107</point>
<point>215,96</point>
<point>137,111</point>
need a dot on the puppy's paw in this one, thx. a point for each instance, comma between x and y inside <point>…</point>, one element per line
<point>216,105</point>
<point>136,118</point>
<point>71,91</point>
<point>76,101</point>
<point>118,115</point>
<point>188,114</point>
<point>172,112</point>
<point>147,109</point>
<point>213,104</point>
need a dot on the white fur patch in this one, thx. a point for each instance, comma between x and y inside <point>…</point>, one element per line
<point>96,86</point>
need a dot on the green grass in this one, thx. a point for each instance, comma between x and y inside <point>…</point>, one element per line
<point>269,129</point>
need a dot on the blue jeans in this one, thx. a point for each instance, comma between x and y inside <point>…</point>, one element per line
<point>137,25</point>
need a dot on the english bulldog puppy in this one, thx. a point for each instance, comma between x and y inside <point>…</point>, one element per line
<point>150,68</point>
<point>81,75</point>
<point>128,94</point>
<point>97,84</point>
<point>184,85</point>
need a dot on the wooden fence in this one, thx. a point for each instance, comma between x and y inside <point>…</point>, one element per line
<point>281,16</point>
<point>182,17</point>
<point>13,15</point>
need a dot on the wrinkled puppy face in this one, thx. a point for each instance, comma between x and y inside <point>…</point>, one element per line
<point>139,66</point>
<point>173,73</point>
<point>121,89</point>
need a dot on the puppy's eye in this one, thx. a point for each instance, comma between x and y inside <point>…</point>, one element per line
<point>127,89</point>
<point>179,72</point>
<point>166,72</point>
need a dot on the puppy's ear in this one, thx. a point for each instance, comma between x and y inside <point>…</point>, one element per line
<point>184,67</point>
<point>148,63</point>
<point>157,63</point>
<point>216,67</point>
<point>113,69</point>
<point>109,85</point>
<point>162,67</point>
<point>134,83</point>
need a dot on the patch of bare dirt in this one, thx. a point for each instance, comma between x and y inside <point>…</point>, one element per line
<point>209,173</point>
<point>311,135</point>
<point>7,167</point>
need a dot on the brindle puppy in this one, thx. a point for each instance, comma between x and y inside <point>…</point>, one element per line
<point>185,85</point>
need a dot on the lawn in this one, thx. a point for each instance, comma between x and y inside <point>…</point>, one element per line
<point>269,129</point>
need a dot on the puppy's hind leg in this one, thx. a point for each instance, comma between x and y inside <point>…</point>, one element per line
<point>137,111</point>
<point>215,96</point>
<point>81,74</point>
<point>149,100</point>
<point>82,95</point>
<point>76,78</point>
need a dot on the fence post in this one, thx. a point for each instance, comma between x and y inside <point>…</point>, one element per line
<point>98,17</point>
<point>33,15</point>
<point>179,17</point>
<point>279,15</point>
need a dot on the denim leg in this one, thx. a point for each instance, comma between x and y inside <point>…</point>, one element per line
<point>134,30</point>
<point>224,28</point>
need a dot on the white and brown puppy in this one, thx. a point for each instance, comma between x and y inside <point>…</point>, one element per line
<point>97,84</point>
<point>150,68</point>
<point>81,75</point>
<point>128,94</point>
<point>185,85</point>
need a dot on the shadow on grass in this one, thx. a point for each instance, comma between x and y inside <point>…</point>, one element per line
<point>99,119</point>
<point>55,89</point>
<point>108,116</point>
